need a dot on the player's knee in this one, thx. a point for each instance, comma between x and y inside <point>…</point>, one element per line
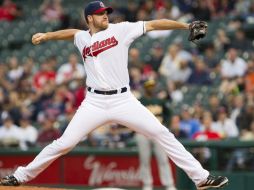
<point>67,149</point>
<point>159,132</point>
<point>62,146</point>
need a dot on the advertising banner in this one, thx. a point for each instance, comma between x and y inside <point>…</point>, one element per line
<point>87,170</point>
<point>51,175</point>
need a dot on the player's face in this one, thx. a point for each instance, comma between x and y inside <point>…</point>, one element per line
<point>100,20</point>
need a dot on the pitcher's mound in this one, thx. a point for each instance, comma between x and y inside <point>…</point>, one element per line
<point>45,188</point>
<point>109,188</point>
<point>28,188</point>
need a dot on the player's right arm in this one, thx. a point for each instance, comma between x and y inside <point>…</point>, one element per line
<point>67,34</point>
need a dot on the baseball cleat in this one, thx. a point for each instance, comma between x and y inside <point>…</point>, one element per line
<point>213,182</point>
<point>9,180</point>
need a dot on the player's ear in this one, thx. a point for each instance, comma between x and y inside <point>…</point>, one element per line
<point>89,19</point>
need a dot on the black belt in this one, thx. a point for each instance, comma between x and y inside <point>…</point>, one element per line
<point>110,92</point>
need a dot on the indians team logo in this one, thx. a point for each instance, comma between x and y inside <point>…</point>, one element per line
<point>98,47</point>
<point>102,5</point>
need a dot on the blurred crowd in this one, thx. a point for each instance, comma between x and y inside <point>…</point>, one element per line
<point>38,99</point>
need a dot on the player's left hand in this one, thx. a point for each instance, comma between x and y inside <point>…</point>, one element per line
<point>198,30</point>
<point>38,38</point>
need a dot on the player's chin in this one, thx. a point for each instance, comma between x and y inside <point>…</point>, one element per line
<point>104,25</point>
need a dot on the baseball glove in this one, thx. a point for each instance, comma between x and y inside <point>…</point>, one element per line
<point>198,30</point>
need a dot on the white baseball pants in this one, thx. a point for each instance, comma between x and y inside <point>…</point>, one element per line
<point>121,108</point>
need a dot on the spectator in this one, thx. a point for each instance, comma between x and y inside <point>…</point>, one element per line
<point>211,59</point>
<point>136,80</point>
<point>250,14</point>
<point>134,58</point>
<point>10,134</point>
<point>66,120</point>
<point>24,89</point>
<point>174,65</point>
<point>233,66</point>
<point>51,10</point>
<point>118,14</point>
<point>13,105</point>
<point>47,133</point>
<point>130,12</point>
<point>184,6</point>
<point>206,134</point>
<point>31,104</point>
<point>175,128</point>
<point>245,117</point>
<point>232,72</point>
<point>28,132</point>
<point>52,62</point>
<point>172,10</point>
<point>70,71</point>
<point>221,40</point>
<point>201,10</point>
<point>67,98</point>
<point>142,14</point>
<point>234,25</point>
<point>55,106</point>
<point>43,97</point>
<point>156,57</point>
<point>9,11</point>
<point>248,135</point>
<point>224,7</point>
<point>99,136</point>
<point>242,7</point>
<point>175,92</point>
<point>15,70</point>
<point>189,125</point>
<point>44,76</point>
<point>249,77</point>
<point>238,106</point>
<point>65,94</point>
<point>160,14</point>
<point>29,68</point>
<point>4,82</point>
<point>117,136</point>
<point>200,75</point>
<point>79,93</point>
<point>114,139</point>
<point>240,42</point>
<point>198,110</point>
<point>225,126</point>
<point>148,6</point>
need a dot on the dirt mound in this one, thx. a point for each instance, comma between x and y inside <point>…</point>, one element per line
<point>28,188</point>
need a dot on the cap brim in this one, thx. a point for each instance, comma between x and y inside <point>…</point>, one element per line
<point>108,9</point>
<point>149,83</point>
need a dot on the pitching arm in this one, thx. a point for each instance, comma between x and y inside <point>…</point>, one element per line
<point>67,34</point>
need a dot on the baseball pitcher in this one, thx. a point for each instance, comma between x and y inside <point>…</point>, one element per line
<point>104,49</point>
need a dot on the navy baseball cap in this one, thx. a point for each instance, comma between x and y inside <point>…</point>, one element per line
<point>96,7</point>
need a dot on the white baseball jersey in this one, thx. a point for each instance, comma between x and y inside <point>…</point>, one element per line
<point>105,71</point>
